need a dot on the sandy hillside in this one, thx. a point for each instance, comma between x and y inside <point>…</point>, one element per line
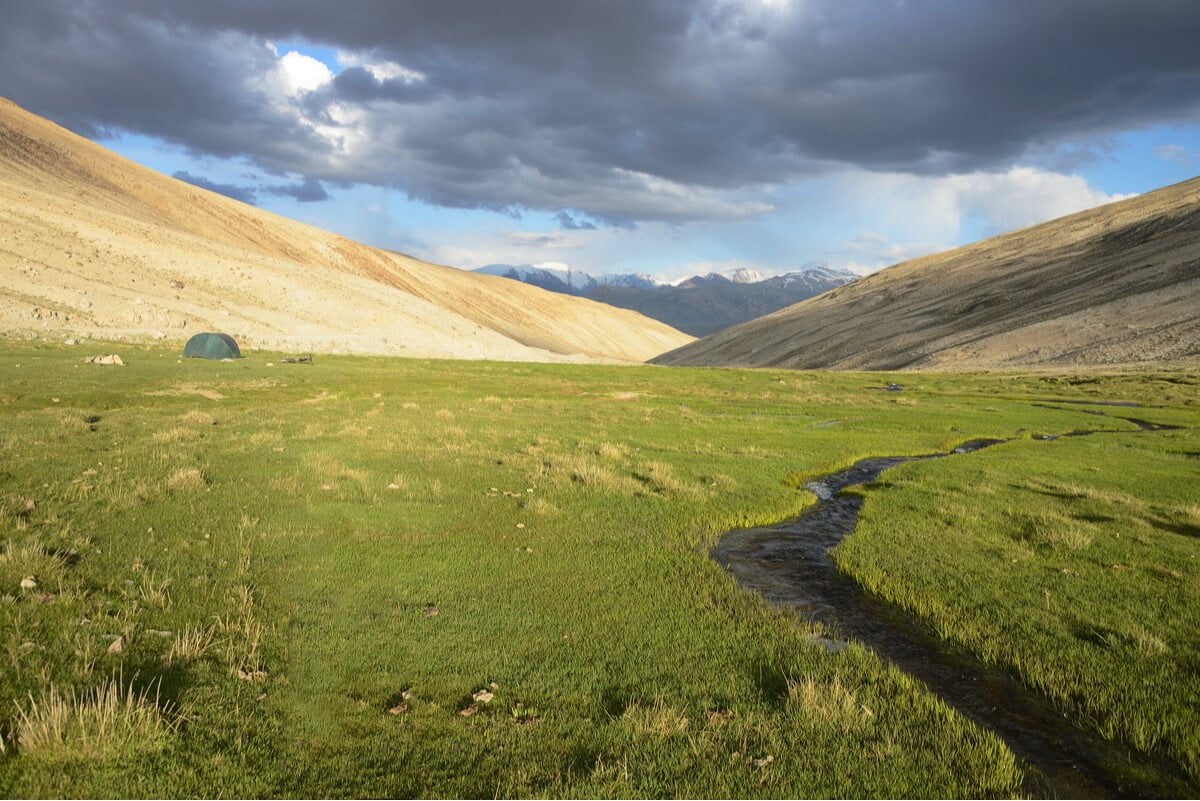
<point>92,244</point>
<point>1118,285</point>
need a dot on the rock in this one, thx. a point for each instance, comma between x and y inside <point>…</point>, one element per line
<point>819,489</point>
<point>483,697</point>
<point>28,583</point>
<point>109,359</point>
<point>118,645</point>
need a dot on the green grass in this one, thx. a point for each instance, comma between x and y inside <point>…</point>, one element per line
<point>1074,563</point>
<point>318,568</point>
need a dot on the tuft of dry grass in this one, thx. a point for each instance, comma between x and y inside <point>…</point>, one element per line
<point>198,418</point>
<point>187,478</point>
<point>657,719</point>
<point>107,721</point>
<point>175,436</point>
<point>190,644</point>
<point>540,506</point>
<point>1139,639</point>
<point>1057,530</point>
<point>831,704</point>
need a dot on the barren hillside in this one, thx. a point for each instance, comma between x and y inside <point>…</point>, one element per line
<point>92,244</point>
<point>1114,285</point>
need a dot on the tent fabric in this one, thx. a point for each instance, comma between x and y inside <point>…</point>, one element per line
<point>212,346</point>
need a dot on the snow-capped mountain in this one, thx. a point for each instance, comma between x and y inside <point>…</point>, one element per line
<point>568,281</point>
<point>699,305</point>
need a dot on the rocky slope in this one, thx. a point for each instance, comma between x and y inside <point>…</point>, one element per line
<point>92,244</point>
<point>1114,285</point>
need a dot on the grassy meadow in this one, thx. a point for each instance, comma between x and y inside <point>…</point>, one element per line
<point>385,577</point>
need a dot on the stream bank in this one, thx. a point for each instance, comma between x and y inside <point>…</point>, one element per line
<point>789,565</point>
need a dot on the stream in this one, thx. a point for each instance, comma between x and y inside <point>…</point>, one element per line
<point>790,566</point>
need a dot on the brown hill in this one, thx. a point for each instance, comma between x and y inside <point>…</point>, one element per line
<point>92,244</point>
<point>1114,285</point>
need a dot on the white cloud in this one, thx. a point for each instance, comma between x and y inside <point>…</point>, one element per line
<point>962,208</point>
<point>1024,196</point>
<point>298,73</point>
<point>881,251</point>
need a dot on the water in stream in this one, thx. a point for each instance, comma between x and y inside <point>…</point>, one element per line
<point>790,566</point>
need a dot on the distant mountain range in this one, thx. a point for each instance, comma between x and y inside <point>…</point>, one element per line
<point>700,305</point>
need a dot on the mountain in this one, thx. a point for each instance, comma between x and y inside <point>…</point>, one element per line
<point>1117,285</point>
<point>568,282</point>
<point>699,305</point>
<point>94,245</point>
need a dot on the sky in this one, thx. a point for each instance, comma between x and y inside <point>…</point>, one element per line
<point>664,137</point>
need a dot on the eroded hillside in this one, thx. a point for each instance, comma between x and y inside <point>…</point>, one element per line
<point>92,244</point>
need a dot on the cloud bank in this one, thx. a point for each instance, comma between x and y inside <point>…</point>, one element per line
<point>611,112</point>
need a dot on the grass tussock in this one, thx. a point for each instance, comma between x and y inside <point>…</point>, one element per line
<point>540,506</point>
<point>175,436</point>
<point>198,418</point>
<point>827,704</point>
<point>187,479</point>
<point>657,719</point>
<point>1138,639</point>
<point>328,471</point>
<point>106,722</point>
<point>1053,529</point>
<point>191,644</point>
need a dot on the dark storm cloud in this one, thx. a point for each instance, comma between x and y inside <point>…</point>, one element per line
<point>309,190</point>
<point>228,190</point>
<point>620,109</point>
<point>568,222</point>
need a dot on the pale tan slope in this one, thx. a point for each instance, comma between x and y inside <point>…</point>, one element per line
<point>1114,285</point>
<point>94,245</point>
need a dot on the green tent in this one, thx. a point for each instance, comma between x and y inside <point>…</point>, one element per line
<point>212,346</point>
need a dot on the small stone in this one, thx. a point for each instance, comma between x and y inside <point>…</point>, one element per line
<point>398,709</point>
<point>762,763</point>
<point>28,583</point>
<point>118,645</point>
<point>483,697</point>
<point>470,710</point>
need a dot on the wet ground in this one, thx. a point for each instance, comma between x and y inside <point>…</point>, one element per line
<point>790,566</point>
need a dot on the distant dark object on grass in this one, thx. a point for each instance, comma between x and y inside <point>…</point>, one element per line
<point>297,359</point>
<point>209,345</point>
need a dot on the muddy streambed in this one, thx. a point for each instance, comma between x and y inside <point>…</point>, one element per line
<point>789,565</point>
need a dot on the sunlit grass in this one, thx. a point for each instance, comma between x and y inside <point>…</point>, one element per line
<point>108,721</point>
<point>291,556</point>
